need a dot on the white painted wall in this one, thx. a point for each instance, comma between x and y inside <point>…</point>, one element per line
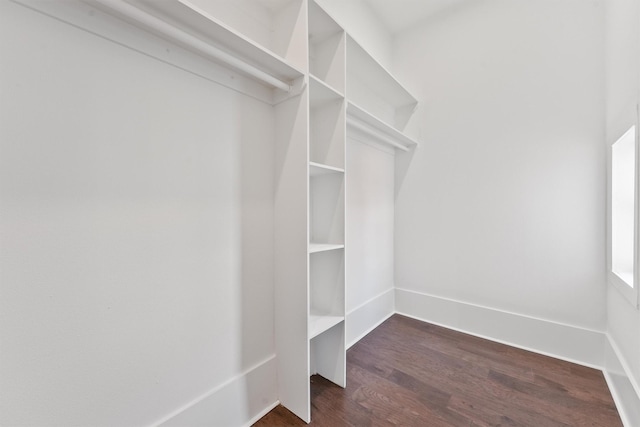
<point>369,237</point>
<point>622,20</point>
<point>357,17</point>
<point>503,204</point>
<point>135,267</point>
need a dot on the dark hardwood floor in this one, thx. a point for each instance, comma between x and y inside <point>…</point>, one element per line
<point>410,373</point>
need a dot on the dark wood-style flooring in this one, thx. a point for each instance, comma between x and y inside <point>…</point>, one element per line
<point>411,373</point>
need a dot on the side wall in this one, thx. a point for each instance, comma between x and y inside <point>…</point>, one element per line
<point>500,211</point>
<point>622,19</point>
<point>135,263</point>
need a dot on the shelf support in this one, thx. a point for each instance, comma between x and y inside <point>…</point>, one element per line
<point>356,124</point>
<point>174,34</point>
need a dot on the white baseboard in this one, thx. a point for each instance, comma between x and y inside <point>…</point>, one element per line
<point>369,315</point>
<point>624,389</point>
<point>566,342</point>
<point>240,401</point>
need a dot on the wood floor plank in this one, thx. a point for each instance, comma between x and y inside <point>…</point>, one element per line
<point>411,373</point>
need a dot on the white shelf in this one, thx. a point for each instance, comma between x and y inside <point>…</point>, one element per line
<point>189,19</point>
<point>319,323</point>
<point>318,169</point>
<point>322,247</point>
<point>322,93</point>
<point>363,68</point>
<point>360,120</point>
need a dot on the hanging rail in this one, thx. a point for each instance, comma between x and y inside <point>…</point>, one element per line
<point>174,34</point>
<point>357,124</point>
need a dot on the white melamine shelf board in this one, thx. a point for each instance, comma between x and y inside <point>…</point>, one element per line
<point>322,93</point>
<point>357,116</point>
<point>362,66</point>
<point>322,247</point>
<point>317,169</point>
<point>319,323</point>
<point>321,24</point>
<point>189,18</point>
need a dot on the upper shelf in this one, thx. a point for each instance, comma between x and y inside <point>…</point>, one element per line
<point>372,86</point>
<point>191,26</point>
<point>361,121</point>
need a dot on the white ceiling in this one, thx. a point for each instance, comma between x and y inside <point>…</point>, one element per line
<point>398,15</point>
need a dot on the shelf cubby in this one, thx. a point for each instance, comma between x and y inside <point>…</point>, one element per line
<point>326,290</point>
<point>319,323</point>
<point>326,209</point>
<point>327,44</point>
<point>327,125</point>
<point>327,353</point>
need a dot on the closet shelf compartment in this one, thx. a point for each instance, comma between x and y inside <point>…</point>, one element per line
<point>319,323</point>
<point>362,67</point>
<point>322,92</point>
<point>326,48</point>
<point>318,169</point>
<point>192,28</point>
<point>361,121</point>
<point>323,247</point>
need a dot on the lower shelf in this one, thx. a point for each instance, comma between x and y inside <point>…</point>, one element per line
<point>321,247</point>
<point>318,323</point>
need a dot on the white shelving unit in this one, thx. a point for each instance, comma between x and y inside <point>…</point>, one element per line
<point>327,150</point>
<point>325,87</point>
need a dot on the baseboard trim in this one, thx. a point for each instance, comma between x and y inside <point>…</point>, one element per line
<point>367,316</point>
<point>240,401</point>
<point>570,343</point>
<point>624,389</point>
<point>262,413</point>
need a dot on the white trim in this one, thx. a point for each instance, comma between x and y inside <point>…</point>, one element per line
<point>623,362</point>
<point>261,414</point>
<point>367,316</point>
<point>617,399</point>
<point>550,338</point>
<point>624,389</point>
<point>225,392</point>
<point>513,313</point>
<point>370,300</point>
<point>371,329</point>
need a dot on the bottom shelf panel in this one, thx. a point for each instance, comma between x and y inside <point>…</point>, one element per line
<point>318,323</point>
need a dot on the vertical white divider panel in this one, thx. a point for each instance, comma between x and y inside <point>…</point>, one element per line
<point>291,254</point>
